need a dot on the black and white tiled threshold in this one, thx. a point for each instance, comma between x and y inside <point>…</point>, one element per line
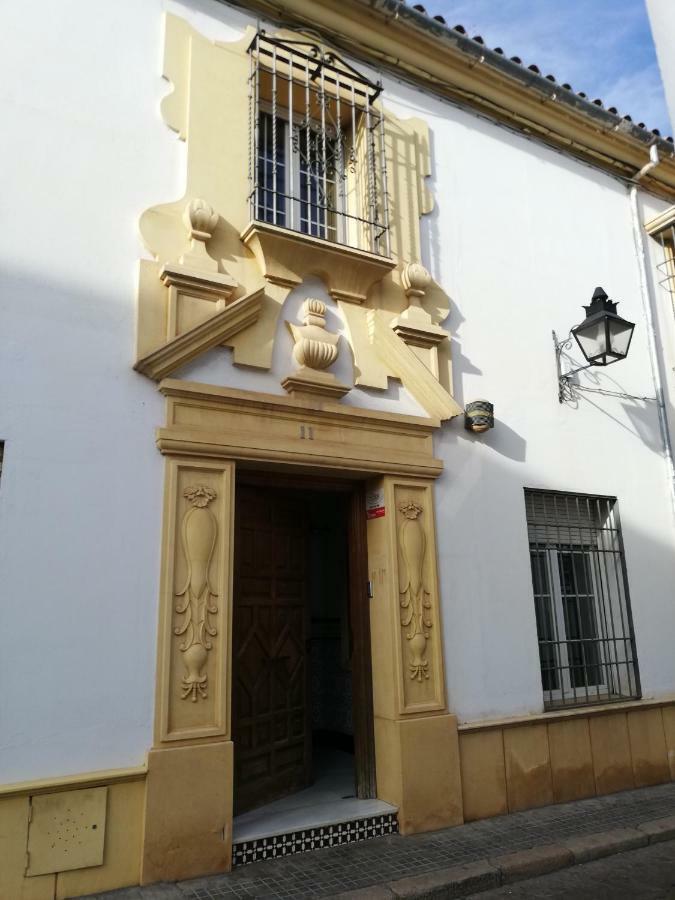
<point>325,814</point>
<point>314,838</point>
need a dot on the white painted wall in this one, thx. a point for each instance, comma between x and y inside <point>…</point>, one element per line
<point>662,292</point>
<point>520,247</point>
<point>662,20</point>
<point>83,152</point>
<point>519,238</point>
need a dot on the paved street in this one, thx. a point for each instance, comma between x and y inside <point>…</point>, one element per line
<point>636,875</point>
<point>389,860</point>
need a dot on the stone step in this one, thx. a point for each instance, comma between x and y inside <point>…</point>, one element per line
<point>314,838</point>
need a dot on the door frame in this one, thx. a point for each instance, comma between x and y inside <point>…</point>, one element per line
<point>210,433</point>
<point>358,604</point>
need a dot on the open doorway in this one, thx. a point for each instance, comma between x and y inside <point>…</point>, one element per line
<point>301,679</point>
<point>331,693</point>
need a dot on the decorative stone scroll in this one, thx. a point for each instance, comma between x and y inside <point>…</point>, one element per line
<point>415,597</point>
<point>315,350</point>
<point>197,605</point>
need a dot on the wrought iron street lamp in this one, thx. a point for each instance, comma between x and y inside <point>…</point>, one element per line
<point>603,337</point>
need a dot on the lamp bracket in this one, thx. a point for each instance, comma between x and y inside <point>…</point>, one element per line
<point>565,389</point>
<point>624,396</point>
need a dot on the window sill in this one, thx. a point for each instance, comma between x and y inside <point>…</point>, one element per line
<point>288,257</point>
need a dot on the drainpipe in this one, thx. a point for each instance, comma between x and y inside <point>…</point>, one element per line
<point>639,237</point>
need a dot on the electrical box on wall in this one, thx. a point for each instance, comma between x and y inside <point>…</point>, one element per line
<point>66,831</point>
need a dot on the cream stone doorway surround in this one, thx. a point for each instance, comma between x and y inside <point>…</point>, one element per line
<point>209,431</point>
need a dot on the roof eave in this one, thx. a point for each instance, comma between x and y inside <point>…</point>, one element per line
<point>390,34</point>
<point>521,74</point>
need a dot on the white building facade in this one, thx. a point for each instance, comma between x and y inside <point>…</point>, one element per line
<point>548,648</point>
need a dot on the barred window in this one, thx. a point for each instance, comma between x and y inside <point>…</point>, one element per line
<point>666,268</point>
<point>581,601</point>
<point>317,155</point>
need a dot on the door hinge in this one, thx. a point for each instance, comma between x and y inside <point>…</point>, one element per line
<point>369,590</point>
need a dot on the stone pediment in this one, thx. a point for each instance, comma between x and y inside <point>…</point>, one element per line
<point>219,278</point>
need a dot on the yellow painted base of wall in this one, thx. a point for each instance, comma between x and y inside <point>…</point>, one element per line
<point>175,822</point>
<point>121,854</point>
<point>417,766</point>
<point>188,812</point>
<point>519,764</point>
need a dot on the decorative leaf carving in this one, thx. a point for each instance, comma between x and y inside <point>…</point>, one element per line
<point>415,598</point>
<point>197,605</point>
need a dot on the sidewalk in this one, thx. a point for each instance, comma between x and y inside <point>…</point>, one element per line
<point>451,863</point>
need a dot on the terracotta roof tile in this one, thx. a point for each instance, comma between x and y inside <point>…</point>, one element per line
<point>478,39</point>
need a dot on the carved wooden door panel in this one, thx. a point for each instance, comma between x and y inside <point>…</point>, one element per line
<point>271,725</point>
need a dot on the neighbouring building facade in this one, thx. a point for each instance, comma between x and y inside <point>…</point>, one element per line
<point>297,488</point>
<point>661,228</point>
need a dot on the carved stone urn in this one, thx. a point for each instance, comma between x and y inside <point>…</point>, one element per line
<point>415,280</point>
<point>315,350</point>
<point>415,325</point>
<point>314,347</point>
<point>200,220</point>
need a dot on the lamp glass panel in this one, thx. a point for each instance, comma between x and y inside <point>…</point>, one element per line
<point>620,333</point>
<point>592,339</point>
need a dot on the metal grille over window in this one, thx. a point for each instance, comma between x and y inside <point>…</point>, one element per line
<point>667,266</point>
<point>317,154</point>
<point>586,643</point>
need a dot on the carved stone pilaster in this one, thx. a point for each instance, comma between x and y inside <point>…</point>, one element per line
<point>422,685</point>
<point>194,612</point>
<point>197,603</point>
<point>315,350</point>
<point>415,597</point>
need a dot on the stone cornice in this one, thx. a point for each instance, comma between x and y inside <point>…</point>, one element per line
<point>660,223</point>
<point>413,46</point>
<point>192,391</point>
<point>214,285</point>
<point>214,331</point>
<point>214,422</point>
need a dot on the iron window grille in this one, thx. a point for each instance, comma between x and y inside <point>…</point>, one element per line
<point>581,600</point>
<point>317,161</point>
<point>666,267</point>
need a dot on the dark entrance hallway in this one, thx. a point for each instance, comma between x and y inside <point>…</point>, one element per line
<point>302,721</point>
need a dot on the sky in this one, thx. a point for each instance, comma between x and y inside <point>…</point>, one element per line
<point>601,47</point>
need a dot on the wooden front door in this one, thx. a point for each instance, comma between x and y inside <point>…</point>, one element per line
<point>270,699</point>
